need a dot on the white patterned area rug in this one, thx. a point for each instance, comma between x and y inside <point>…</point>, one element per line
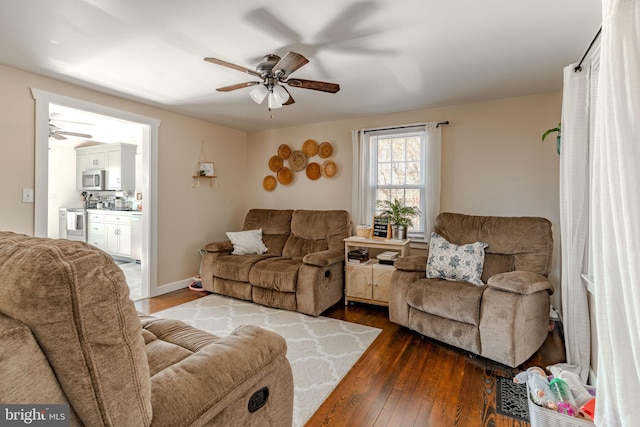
<point>321,350</point>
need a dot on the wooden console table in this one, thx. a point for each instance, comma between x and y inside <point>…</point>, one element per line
<point>368,282</point>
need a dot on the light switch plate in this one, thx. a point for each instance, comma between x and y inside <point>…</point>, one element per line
<point>27,195</point>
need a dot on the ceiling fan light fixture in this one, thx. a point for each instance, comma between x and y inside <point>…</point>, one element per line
<point>259,93</point>
<point>281,94</point>
<point>273,101</point>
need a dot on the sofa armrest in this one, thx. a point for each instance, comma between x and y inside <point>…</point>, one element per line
<point>520,282</point>
<point>411,263</point>
<point>199,387</point>
<point>324,258</point>
<point>224,247</point>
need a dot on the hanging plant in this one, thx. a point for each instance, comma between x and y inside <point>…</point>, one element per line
<point>558,137</point>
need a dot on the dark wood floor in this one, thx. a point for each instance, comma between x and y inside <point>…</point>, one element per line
<point>404,379</point>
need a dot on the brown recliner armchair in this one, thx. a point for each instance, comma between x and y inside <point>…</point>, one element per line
<point>506,318</point>
<point>69,334</point>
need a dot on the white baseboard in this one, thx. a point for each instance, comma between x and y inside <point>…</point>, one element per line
<point>170,287</point>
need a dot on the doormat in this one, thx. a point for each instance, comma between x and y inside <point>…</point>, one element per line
<point>511,399</point>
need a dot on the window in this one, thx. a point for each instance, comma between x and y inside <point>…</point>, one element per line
<point>398,163</point>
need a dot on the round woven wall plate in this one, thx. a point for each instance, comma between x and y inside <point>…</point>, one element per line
<point>285,176</point>
<point>325,150</point>
<point>328,169</point>
<point>310,147</point>
<point>297,160</point>
<point>313,171</point>
<point>269,183</point>
<point>275,163</point>
<point>284,151</point>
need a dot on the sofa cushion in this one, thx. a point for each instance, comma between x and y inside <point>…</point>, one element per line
<point>527,240</point>
<point>234,267</point>
<point>24,363</point>
<point>459,301</point>
<point>275,224</point>
<point>455,262</point>
<point>280,274</point>
<point>247,242</point>
<point>75,300</point>
<point>315,231</point>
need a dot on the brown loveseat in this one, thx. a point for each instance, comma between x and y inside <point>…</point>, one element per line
<point>69,334</point>
<point>302,269</point>
<point>506,318</point>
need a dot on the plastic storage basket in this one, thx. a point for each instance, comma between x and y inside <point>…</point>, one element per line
<point>543,417</point>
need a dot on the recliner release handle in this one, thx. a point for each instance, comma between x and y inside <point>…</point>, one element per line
<point>258,399</point>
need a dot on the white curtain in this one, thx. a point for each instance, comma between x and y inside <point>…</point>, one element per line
<point>433,136</point>
<point>574,217</point>
<point>363,193</point>
<point>616,216</point>
<point>361,179</point>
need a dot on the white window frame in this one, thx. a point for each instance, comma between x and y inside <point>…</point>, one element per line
<point>364,193</point>
<point>417,232</point>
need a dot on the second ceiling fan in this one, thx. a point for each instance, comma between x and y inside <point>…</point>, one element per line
<point>274,73</point>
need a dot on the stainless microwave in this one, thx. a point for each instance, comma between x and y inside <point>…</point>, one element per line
<point>93,180</point>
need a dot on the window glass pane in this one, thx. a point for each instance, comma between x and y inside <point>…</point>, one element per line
<point>383,194</point>
<point>384,150</point>
<point>413,176</point>
<point>384,173</point>
<point>413,197</point>
<point>398,174</point>
<point>398,149</point>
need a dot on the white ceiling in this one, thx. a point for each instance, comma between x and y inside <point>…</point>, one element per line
<point>387,56</point>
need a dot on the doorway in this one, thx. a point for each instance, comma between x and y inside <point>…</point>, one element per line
<point>46,104</point>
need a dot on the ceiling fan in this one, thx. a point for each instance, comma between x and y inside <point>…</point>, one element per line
<point>56,132</point>
<point>274,72</point>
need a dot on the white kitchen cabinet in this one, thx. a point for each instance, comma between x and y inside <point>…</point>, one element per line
<point>95,230</point>
<point>121,166</point>
<point>118,234</point>
<point>118,160</point>
<point>110,231</point>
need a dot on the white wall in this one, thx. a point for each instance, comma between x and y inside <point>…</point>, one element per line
<point>62,184</point>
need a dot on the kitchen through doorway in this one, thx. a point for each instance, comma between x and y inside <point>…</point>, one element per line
<point>62,126</point>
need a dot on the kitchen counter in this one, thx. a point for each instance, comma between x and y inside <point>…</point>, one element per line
<point>111,210</point>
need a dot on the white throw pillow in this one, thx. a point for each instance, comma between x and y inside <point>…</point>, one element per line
<point>247,242</point>
<point>455,262</point>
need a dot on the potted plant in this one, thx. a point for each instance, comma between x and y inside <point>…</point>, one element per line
<point>558,137</point>
<point>399,214</point>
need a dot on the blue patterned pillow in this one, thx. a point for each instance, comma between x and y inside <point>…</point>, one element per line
<point>452,262</point>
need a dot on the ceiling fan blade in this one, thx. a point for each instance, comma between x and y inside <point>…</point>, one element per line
<point>290,100</point>
<point>288,64</point>
<point>237,86</point>
<point>341,26</point>
<point>79,135</point>
<point>57,136</point>
<point>272,25</point>
<point>232,66</point>
<point>315,85</point>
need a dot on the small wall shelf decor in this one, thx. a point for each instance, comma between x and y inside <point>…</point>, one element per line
<point>204,170</point>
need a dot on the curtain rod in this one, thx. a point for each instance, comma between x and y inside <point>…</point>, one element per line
<point>404,127</point>
<point>579,66</point>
